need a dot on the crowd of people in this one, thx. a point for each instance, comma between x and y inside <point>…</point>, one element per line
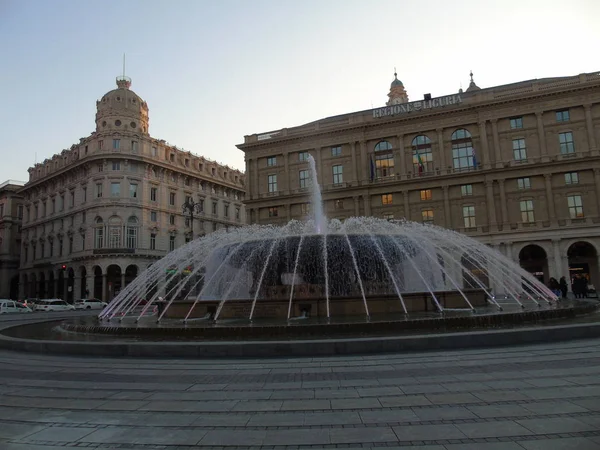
<point>579,286</point>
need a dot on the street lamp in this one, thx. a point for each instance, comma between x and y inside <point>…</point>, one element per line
<point>188,208</point>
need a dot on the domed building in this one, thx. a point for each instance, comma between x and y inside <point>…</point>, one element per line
<point>99,213</point>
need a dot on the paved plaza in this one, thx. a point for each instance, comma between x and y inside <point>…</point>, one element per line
<point>530,397</point>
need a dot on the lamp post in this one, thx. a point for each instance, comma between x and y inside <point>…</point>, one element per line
<point>188,208</point>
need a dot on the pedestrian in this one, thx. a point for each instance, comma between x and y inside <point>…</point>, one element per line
<point>160,303</point>
<point>554,286</point>
<point>563,287</point>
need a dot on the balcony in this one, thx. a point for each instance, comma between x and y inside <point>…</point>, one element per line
<point>110,251</point>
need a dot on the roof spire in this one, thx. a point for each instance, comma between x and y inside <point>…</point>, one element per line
<point>472,85</point>
<point>471,75</point>
<point>123,81</point>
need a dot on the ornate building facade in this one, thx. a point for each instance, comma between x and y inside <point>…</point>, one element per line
<point>11,214</point>
<point>515,166</point>
<point>99,213</point>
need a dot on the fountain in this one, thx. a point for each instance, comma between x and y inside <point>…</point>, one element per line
<point>320,269</point>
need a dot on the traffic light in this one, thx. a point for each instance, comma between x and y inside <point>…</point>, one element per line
<point>63,267</point>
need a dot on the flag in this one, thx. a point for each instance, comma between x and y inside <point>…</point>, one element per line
<point>420,163</point>
<point>474,157</point>
<point>372,169</point>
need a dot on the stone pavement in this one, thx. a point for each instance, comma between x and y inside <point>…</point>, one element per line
<point>529,397</point>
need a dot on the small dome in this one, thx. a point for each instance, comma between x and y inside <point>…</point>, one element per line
<point>472,86</point>
<point>396,81</point>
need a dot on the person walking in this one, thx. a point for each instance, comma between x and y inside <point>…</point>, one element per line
<point>563,287</point>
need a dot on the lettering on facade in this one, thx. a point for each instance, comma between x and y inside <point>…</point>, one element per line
<point>403,108</point>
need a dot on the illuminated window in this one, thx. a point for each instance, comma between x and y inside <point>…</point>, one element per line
<point>527,211</point>
<point>386,199</point>
<point>422,155</point>
<point>384,160</point>
<point>273,211</point>
<point>425,194</point>
<point>575,206</point>
<point>427,216</point>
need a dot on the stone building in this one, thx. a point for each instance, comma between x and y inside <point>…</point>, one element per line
<point>516,166</point>
<point>99,213</point>
<point>11,214</point>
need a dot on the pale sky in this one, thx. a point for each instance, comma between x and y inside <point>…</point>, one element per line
<point>214,71</point>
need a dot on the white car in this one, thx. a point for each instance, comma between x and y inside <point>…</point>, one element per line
<point>53,304</point>
<point>90,303</point>
<point>10,306</point>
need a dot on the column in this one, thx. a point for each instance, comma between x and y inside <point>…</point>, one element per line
<point>489,190</point>
<point>597,182</point>
<point>89,285</point>
<point>406,206</point>
<point>497,150</point>
<point>484,145</point>
<point>367,203</point>
<point>287,185</point>
<point>355,169</point>
<point>364,169</point>
<point>503,202</point>
<point>256,193</point>
<point>122,280</point>
<point>542,136</point>
<point>448,216</point>
<point>249,175</point>
<point>104,286</point>
<point>589,124</point>
<point>319,166</point>
<point>558,269</point>
<point>509,251</point>
<point>549,197</point>
<point>356,206</point>
<point>77,287</point>
<point>441,149</point>
<point>400,156</point>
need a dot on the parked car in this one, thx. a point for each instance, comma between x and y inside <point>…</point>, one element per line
<point>89,303</point>
<point>31,302</point>
<point>53,304</point>
<point>10,306</point>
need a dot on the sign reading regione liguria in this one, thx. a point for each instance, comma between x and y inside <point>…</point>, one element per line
<point>403,108</point>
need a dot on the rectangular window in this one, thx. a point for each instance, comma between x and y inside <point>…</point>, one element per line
<point>226,210</point>
<point>469,216</point>
<point>116,144</point>
<point>339,204</point>
<point>83,215</point>
<point>272,161</point>
<point>116,165</point>
<point>100,144</point>
<point>524,183</point>
<point>152,241</point>
<point>153,194</point>
<point>272,180</point>
<point>171,219</point>
<point>519,150</point>
<point>527,211</point>
<point>85,194</point>
<point>572,178</point>
<point>134,147</point>
<point>387,199</point>
<point>214,226</point>
<point>133,190</point>
<point>72,197</point>
<point>200,205</point>
<point>303,156</point>
<point>466,189</point>
<point>575,206</point>
<point>273,211</point>
<point>60,247</point>
<point>303,177</point>
<point>305,208</point>
<point>51,248</point>
<point>172,198</point>
<point>562,116</point>
<point>338,174</point>
<point>384,165</point>
<point>516,123</point>
<point>237,213</point>
<point>115,189</point>
<point>186,162</point>
<point>171,243</point>
<point>336,151</point>
<point>388,217</point>
<point>214,208</point>
<point>154,151</point>
<point>20,212</point>
<point>427,216</point>
<point>98,190</point>
<point>100,167</point>
<point>153,216</point>
<point>62,202</point>
<point>567,146</point>
<point>425,194</point>
<point>70,245</point>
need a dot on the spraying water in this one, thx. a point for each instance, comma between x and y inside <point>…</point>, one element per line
<point>316,199</point>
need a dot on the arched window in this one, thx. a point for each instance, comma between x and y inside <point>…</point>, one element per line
<point>132,229</point>
<point>114,232</point>
<point>463,155</point>
<point>384,160</point>
<point>421,155</point>
<point>99,233</point>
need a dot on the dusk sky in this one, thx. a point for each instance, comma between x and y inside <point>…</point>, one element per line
<point>214,71</point>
